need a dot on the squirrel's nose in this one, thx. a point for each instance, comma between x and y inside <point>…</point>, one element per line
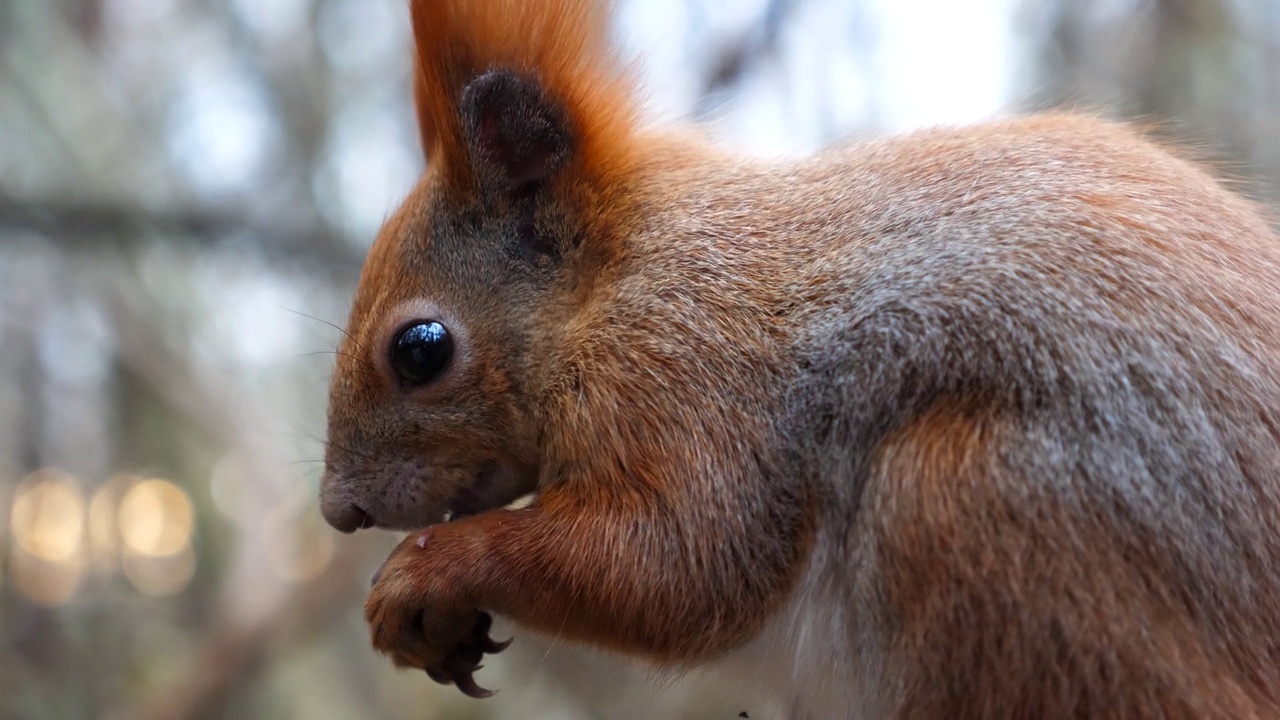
<point>339,507</point>
<point>343,515</point>
<point>348,517</point>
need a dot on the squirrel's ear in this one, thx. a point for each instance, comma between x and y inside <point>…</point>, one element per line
<point>512,91</point>
<point>516,134</point>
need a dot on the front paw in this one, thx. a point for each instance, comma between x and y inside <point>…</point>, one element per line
<point>420,620</point>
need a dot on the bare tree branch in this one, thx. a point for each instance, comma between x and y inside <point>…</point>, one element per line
<point>78,226</point>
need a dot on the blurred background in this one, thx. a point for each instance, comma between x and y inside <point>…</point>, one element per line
<point>187,188</point>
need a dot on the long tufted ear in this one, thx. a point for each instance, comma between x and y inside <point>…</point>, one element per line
<point>511,91</point>
<point>516,135</point>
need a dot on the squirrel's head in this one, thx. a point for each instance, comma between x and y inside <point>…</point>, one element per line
<point>435,400</point>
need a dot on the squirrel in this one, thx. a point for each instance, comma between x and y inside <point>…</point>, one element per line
<point>971,422</point>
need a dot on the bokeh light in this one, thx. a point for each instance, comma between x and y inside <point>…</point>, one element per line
<point>156,519</point>
<point>47,521</point>
<point>156,522</point>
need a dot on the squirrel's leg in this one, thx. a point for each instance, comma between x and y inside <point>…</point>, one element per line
<point>1019,586</point>
<point>621,571</point>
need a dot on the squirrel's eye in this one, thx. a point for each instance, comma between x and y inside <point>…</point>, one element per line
<point>421,352</point>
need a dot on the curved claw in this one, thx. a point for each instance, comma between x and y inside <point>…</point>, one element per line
<point>468,686</point>
<point>488,645</point>
<point>483,641</point>
<point>459,667</point>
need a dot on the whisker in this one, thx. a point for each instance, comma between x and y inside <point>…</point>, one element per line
<point>328,443</point>
<point>353,451</point>
<point>325,322</point>
<point>359,360</point>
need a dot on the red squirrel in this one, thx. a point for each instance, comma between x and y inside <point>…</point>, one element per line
<point>979,422</point>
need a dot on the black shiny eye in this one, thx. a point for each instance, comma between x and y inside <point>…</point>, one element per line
<point>421,352</point>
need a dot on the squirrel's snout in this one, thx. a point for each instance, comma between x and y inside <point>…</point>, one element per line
<point>343,515</point>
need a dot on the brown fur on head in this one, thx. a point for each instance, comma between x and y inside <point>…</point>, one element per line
<point>526,126</point>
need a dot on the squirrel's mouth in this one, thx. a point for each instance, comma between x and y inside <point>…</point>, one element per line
<point>495,486</point>
<point>492,489</point>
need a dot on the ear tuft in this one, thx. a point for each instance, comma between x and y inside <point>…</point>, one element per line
<point>514,90</point>
<point>516,134</point>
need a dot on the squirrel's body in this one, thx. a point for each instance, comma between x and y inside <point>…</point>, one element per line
<point>980,422</point>
<point>915,315</point>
